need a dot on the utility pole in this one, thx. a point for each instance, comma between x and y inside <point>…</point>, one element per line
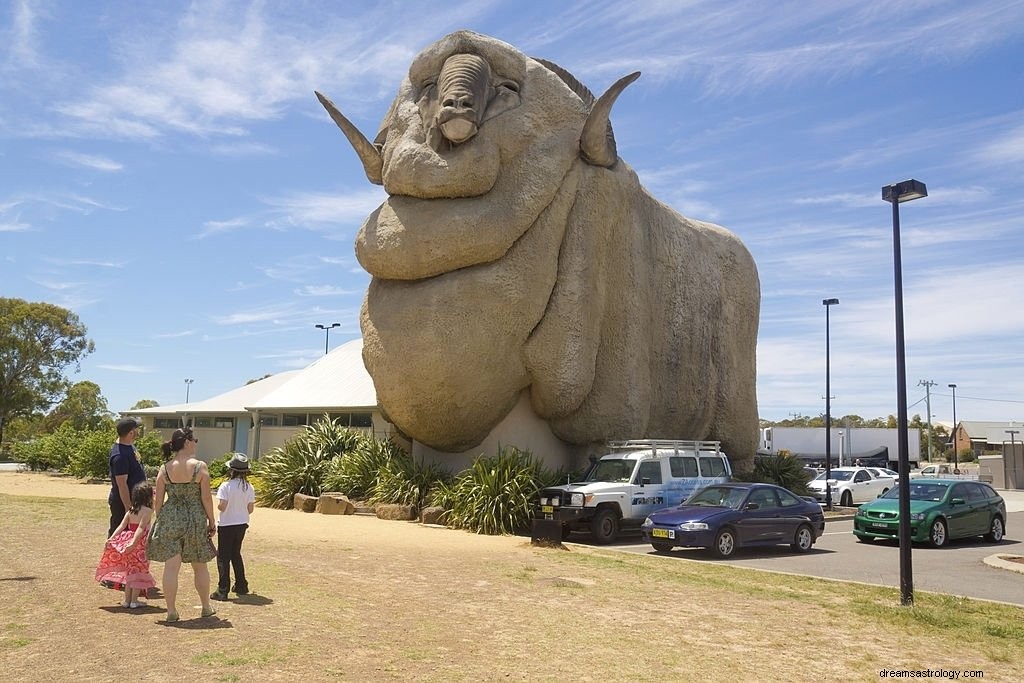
<point>928,384</point>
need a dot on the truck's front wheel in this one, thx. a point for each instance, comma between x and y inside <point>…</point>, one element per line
<point>604,526</point>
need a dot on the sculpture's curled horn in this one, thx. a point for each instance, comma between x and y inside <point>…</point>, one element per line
<point>373,163</point>
<point>597,143</point>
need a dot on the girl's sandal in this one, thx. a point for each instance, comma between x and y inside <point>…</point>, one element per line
<point>208,612</point>
<point>172,617</point>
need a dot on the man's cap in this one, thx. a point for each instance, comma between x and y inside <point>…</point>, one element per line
<point>127,424</point>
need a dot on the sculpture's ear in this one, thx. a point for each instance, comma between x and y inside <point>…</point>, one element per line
<point>505,96</point>
<point>385,126</point>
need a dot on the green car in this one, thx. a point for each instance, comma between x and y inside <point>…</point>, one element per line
<point>940,510</point>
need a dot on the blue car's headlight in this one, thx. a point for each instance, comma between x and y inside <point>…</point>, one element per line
<point>693,526</point>
<point>647,522</point>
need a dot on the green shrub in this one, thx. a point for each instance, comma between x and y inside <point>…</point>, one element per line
<point>91,457</point>
<point>148,448</point>
<point>404,481</point>
<point>786,471</point>
<point>300,465</point>
<point>495,495</point>
<point>296,467</point>
<point>355,474</point>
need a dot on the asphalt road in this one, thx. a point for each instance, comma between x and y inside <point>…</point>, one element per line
<point>957,569</point>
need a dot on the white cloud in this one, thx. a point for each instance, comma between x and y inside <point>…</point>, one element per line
<point>141,369</point>
<point>96,163</point>
<point>6,226</point>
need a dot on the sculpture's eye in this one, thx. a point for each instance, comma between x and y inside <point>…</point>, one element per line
<point>427,88</point>
<point>511,86</point>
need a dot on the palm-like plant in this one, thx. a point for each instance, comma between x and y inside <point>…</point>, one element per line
<point>495,495</point>
<point>355,474</point>
<point>405,481</point>
<point>301,465</point>
<point>783,470</point>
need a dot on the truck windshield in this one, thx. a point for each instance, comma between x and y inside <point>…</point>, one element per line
<point>615,470</point>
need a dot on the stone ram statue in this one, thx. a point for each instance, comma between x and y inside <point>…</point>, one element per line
<point>516,252</point>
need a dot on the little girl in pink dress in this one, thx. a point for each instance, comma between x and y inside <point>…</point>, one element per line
<point>124,555</point>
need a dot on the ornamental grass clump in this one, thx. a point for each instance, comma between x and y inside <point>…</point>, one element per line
<point>302,463</point>
<point>355,474</point>
<point>495,495</point>
<point>783,470</point>
<point>405,481</point>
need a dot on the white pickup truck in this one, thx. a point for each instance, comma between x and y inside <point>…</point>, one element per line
<point>944,471</point>
<point>851,485</point>
<point>635,479</point>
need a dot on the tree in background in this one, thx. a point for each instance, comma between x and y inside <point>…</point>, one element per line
<point>144,403</point>
<point>83,406</point>
<point>38,341</point>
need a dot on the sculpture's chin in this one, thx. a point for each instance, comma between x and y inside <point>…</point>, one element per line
<point>458,130</point>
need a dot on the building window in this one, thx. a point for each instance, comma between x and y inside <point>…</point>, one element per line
<point>270,420</point>
<point>353,419</point>
<point>203,422</point>
<point>224,422</point>
<point>166,423</point>
<point>294,419</point>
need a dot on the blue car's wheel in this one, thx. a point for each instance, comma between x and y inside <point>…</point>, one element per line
<point>803,540</point>
<point>725,543</point>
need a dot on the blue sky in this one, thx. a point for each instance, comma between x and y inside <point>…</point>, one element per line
<point>166,173</point>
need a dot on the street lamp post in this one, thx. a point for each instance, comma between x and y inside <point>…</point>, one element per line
<point>828,303</point>
<point>327,329</point>
<point>896,194</point>
<point>956,462</point>
<point>188,384</point>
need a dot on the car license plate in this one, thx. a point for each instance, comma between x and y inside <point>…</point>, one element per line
<point>880,525</point>
<point>663,533</point>
<point>547,509</point>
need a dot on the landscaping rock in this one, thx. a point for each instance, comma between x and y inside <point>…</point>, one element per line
<point>303,502</point>
<point>399,512</point>
<point>431,515</point>
<point>334,504</point>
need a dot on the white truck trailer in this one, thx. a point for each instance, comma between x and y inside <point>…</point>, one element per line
<point>873,446</point>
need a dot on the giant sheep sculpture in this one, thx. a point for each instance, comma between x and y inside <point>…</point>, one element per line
<point>516,252</point>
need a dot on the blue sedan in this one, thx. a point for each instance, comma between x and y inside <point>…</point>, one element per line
<point>725,517</point>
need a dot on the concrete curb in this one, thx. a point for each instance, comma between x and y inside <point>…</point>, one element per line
<point>999,561</point>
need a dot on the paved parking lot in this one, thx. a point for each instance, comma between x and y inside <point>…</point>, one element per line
<point>958,569</point>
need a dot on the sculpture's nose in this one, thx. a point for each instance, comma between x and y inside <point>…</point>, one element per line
<point>462,103</point>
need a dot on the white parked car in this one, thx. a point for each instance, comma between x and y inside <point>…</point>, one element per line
<point>852,485</point>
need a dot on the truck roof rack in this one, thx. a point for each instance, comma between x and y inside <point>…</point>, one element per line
<point>702,447</point>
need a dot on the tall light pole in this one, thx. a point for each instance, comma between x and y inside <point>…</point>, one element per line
<point>956,462</point>
<point>327,329</point>
<point>188,384</point>
<point>928,384</point>
<point>896,194</point>
<point>828,303</point>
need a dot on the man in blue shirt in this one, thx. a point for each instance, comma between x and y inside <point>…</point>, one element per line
<point>125,471</point>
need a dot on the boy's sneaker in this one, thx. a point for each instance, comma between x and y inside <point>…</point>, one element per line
<point>218,595</point>
<point>240,591</point>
